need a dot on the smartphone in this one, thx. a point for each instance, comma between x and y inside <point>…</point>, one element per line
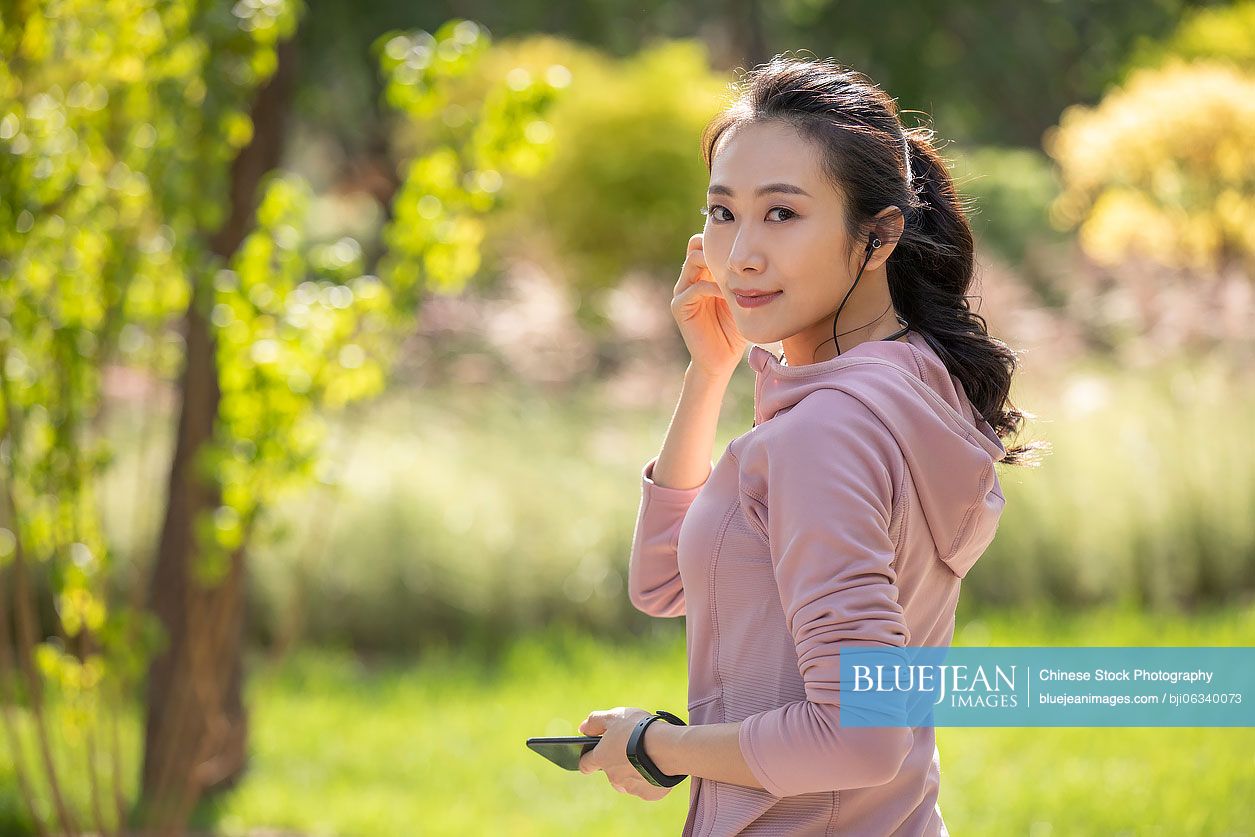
<point>564,750</point>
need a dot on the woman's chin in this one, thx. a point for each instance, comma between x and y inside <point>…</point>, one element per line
<point>759,335</point>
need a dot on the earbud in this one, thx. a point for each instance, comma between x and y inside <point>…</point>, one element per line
<point>874,243</point>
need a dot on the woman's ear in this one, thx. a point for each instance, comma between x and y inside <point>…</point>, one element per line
<point>887,226</point>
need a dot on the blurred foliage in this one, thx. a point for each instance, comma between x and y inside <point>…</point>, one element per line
<point>994,78</point>
<point>117,122</point>
<point>440,536</point>
<point>291,347</point>
<point>626,181</point>
<point>1214,34</point>
<point>463,150</point>
<point>1162,167</point>
<point>990,72</point>
<point>288,347</point>
<point>1013,189</point>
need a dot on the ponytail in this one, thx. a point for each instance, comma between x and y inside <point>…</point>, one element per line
<point>930,272</point>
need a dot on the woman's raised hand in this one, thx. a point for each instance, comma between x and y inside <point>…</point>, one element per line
<point>705,320</point>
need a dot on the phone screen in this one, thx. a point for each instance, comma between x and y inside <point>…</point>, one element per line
<point>565,750</point>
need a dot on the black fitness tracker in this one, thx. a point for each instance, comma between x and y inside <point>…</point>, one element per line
<point>642,762</point>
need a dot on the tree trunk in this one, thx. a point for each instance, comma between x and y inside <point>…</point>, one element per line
<point>749,41</point>
<point>197,727</point>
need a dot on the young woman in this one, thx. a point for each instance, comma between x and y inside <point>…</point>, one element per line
<point>864,492</point>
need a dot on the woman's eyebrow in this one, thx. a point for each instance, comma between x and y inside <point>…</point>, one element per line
<point>770,188</point>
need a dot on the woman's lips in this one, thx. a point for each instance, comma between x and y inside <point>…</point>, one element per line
<point>755,301</point>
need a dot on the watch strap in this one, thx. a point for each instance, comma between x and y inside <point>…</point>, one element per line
<point>642,762</point>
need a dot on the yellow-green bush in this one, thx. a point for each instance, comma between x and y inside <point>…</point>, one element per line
<point>1226,33</point>
<point>1161,168</point>
<point>626,180</point>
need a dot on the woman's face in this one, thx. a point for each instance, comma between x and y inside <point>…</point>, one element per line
<point>789,240</point>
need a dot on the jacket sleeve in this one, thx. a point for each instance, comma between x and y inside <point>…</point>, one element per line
<point>654,585</point>
<point>826,515</point>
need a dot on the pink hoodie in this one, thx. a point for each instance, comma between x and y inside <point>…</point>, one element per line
<point>848,514</point>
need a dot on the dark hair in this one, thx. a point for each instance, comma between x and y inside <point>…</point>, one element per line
<point>864,148</point>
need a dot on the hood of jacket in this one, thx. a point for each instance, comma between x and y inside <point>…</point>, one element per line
<point>950,451</point>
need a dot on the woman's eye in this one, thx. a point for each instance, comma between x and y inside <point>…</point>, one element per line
<point>713,209</point>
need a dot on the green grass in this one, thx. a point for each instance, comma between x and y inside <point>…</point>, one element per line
<point>437,746</point>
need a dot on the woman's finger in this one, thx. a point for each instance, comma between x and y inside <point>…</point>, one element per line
<point>693,269</point>
<point>694,292</point>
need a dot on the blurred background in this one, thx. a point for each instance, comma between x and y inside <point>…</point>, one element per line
<point>333,338</point>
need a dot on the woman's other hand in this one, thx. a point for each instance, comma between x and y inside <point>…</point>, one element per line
<point>615,727</point>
